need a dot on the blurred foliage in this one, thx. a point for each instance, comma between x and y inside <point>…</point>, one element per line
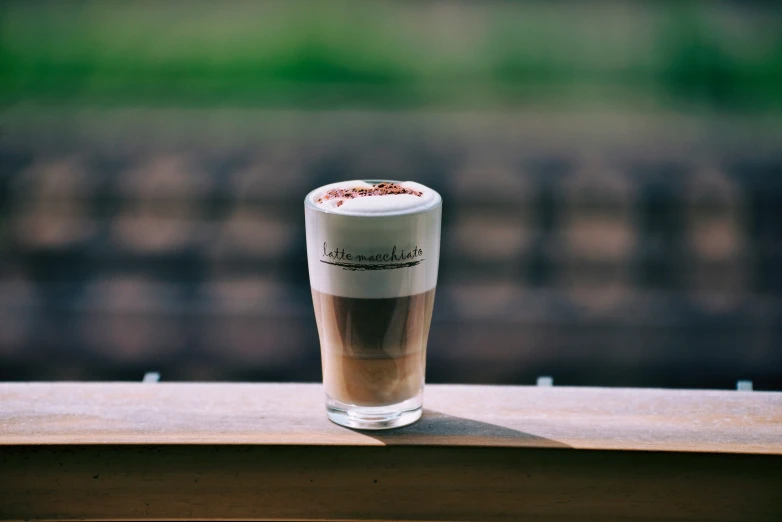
<point>722,55</point>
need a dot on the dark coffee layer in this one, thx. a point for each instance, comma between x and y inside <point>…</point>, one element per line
<point>373,350</point>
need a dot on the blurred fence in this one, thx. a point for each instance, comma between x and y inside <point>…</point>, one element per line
<point>644,260</point>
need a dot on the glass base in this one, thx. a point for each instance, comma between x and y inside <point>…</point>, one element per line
<point>375,417</point>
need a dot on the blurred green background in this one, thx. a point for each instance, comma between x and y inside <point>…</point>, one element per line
<point>718,55</point>
<point>612,172</point>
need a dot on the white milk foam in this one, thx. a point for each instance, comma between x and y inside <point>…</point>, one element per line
<point>374,205</point>
<point>373,246</point>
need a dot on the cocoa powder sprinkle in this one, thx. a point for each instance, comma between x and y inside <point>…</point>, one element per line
<point>380,189</point>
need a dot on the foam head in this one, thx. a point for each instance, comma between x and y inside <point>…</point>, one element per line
<point>373,239</point>
<point>374,198</point>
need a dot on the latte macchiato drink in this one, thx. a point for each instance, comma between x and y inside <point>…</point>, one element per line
<point>373,249</point>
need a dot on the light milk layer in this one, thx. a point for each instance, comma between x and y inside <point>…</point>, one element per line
<point>373,249</point>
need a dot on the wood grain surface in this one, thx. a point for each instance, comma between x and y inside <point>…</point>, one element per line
<point>266,452</point>
<point>508,416</point>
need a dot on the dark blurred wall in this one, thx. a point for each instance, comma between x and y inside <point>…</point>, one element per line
<point>611,171</point>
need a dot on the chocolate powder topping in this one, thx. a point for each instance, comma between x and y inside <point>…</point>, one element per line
<point>379,189</point>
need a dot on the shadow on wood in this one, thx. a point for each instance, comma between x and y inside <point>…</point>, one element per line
<point>438,428</point>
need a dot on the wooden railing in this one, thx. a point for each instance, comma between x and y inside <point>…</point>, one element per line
<point>267,452</point>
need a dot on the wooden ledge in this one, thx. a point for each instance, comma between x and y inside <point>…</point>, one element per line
<point>293,414</point>
<point>266,451</point>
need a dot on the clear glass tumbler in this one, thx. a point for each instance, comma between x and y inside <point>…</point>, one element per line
<point>373,273</point>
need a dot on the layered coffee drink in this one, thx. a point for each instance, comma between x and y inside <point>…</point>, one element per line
<point>373,252</point>
<point>373,350</point>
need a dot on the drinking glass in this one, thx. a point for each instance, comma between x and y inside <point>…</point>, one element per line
<point>373,278</point>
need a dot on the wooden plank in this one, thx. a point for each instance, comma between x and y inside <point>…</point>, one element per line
<point>241,482</point>
<point>266,452</point>
<point>506,416</point>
